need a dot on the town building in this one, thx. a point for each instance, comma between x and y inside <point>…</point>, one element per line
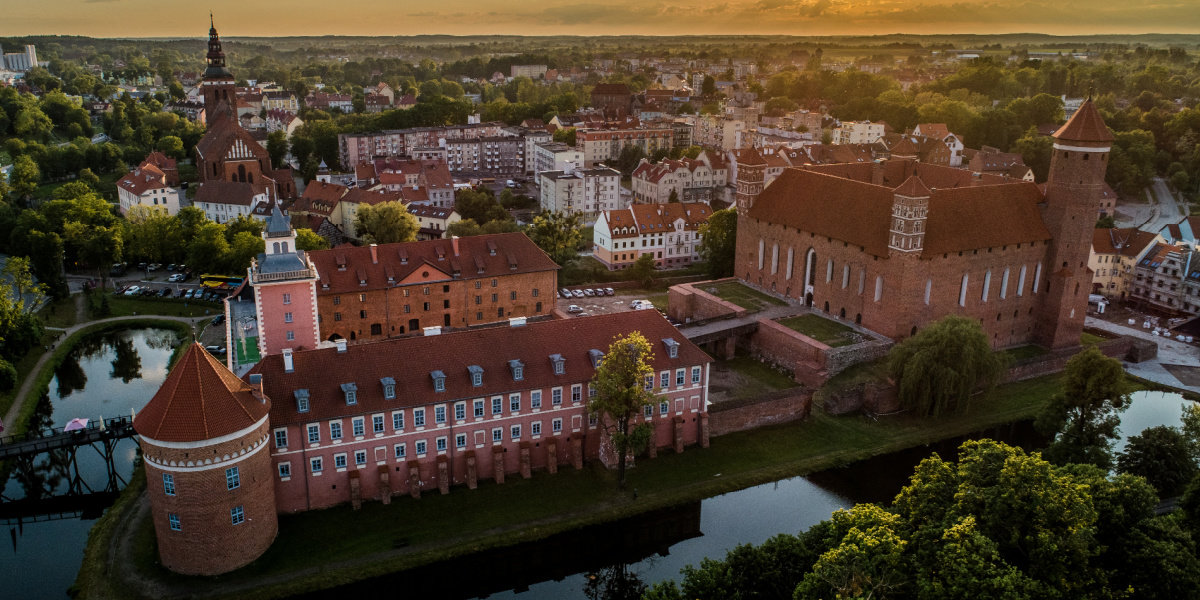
<point>530,71</point>
<point>585,191</point>
<point>223,201</point>
<point>716,132</point>
<point>556,156</point>
<point>690,180</point>
<point>613,99</point>
<point>858,132</point>
<point>668,232</point>
<point>605,145</point>
<point>281,100</point>
<point>889,243</point>
<point>282,120</point>
<point>20,61</point>
<point>1115,254</point>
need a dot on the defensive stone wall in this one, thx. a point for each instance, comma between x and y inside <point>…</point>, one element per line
<point>784,406</point>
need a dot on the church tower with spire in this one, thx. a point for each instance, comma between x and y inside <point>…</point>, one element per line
<point>218,85</point>
<point>1073,190</point>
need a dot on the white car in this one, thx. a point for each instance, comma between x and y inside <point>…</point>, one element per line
<point>641,304</point>
<point>133,291</point>
<point>574,309</point>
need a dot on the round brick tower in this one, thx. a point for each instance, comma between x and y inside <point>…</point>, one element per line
<point>204,439</point>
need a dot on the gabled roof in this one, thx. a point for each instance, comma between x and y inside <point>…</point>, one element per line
<point>224,133</point>
<point>200,400</point>
<point>913,187</point>
<point>748,156</point>
<point>1086,125</point>
<point>1129,241</point>
<point>411,362</point>
<point>361,196</point>
<point>229,192</point>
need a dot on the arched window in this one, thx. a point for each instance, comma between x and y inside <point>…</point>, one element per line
<point>774,258</point>
<point>928,290</point>
<point>829,271</point>
<point>285,247</point>
<point>790,264</point>
<point>962,290</point>
<point>1021,282</point>
<point>762,246</point>
<point>987,284</point>
<point>1037,277</point>
<point>862,280</point>
<point>242,173</point>
<point>878,288</point>
<point>810,267</point>
<point>1004,285</point>
<point>845,276</point>
<point>275,248</point>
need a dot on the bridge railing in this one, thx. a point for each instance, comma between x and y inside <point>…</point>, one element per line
<point>54,432</point>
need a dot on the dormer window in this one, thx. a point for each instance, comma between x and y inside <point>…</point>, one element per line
<point>595,356</point>
<point>560,364</point>
<point>672,347</point>
<point>439,381</point>
<point>476,375</point>
<point>351,392</point>
<point>518,369</point>
<point>389,388</point>
<point>301,400</point>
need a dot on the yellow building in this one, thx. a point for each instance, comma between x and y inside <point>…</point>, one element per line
<point>1115,253</point>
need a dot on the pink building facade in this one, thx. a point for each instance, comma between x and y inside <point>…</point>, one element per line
<point>285,292</point>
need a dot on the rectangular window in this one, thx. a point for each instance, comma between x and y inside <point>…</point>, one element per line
<point>174,520</point>
<point>515,432</point>
<point>460,411</point>
<point>281,438</point>
<point>287,317</point>
<point>399,448</point>
<point>339,461</point>
<point>335,430</point>
<point>418,417</point>
<point>663,407</point>
<point>233,479</point>
<point>535,428</point>
<point>514,402</point>
<point>679,376</point>
<point>695,374</point>
<point>285,469</point>
<point>389,391</point>
<point>592,391</point>
<point>287,299</point>
<point>664,379</point>
<point>360,457</point>
<point>314,434</point>
<point>648,411</point>
<point>512,295</point>
<point>439,414</point>
<point>460,441</point>
<point>576,393</point>
<point>478,408</point>
<point>398,421</point>
<point>497,435</point>
<point>556,396</point>
<point>649,383</point>
<point>359,426</point>
<point>337,316</point>
<point>237,515</point>
<point>535,399</point>
<point>168,484</point>
<point>291,335</point>
<point>556,425</point>
<point>497,408</point>
<point>495,298</point>
<point>377,423</point>
<point>440,443</point>
<point>315,464</point>
<point>421,448</point>
<point>337,300</point>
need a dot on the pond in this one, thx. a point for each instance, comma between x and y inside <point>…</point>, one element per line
<point>107,374</point>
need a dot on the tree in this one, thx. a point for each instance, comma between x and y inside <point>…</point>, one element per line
<point>718,242</point>
<point>24,177</point>
<point>621,395</point>
<point>558,234</point>
<point>277,147</point>
<point>20,277</point>
<point>1084,416</point>
<point>243,223</point>
<point>307,239</point>
<point>171,145</point>
<point>708,87</point>
<point>208,247</point>
<point>385,223</point>
<point>479,205</point>
<point>938,369</point>
<point>673,197</point>
<point>628,159</point>
<point>1162,455</point>
<point>642,270</point>
<point>866,562</point>
<point>242,249</point>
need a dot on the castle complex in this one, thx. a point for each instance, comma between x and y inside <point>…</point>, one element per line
<point>897,244</point>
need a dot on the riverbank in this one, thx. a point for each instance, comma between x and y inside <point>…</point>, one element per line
<point>322,549</point>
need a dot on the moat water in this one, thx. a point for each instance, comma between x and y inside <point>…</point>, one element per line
<point>106,375</point>
<point>114,373</point>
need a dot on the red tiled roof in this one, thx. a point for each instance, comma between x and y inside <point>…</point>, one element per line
<point>411,361</point>
<point>229,192</point>
<point>400,260</point>
<point>200,400</point>
<point>1086,125</point>
<point>1126,242</point>
<point>618,219</point>
<point>913,187</point>
<point>222,134</point>
<point>361,196</point>
<point>143,179</point>
<point>749,156</point>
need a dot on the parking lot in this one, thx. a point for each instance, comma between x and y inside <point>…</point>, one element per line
<point>620,301</point>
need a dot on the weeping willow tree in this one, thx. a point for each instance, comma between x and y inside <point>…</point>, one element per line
<point>940,367</point>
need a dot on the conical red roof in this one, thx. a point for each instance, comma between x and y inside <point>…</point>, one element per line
<point>913,187</point>
<point>200,400</point>
<point>1086,125</point>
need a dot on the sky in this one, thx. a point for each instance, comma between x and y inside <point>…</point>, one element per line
<point>187,18</point>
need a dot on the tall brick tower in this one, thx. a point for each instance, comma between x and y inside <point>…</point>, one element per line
<point>218,85</point>
<point>1073,191</point>
<point>751,171</point>
<point>209,475</point>
<point>285,291</point>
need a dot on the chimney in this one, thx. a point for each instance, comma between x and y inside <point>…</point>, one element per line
<point>256,385</point>
<point>877,172</point>
<point>288,365</point>
<point>374,254</point>
<point>341,345</point>
<point>454,243</point>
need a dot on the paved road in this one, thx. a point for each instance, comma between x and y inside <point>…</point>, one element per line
<point>1170,352</point>
<point>1167,208</point>
<point>27,385</point>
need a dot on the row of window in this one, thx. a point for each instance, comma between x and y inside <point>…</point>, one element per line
<point>233,480</point>
<point>237,516</point>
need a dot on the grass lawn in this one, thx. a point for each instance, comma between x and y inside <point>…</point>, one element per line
<point>743,377</point>
<point>24,367</point>
<point>1088,339</point>
<point>826,331</point>
<point>138,305</point>
<point>379,539</point>
<point>749,299</point>
<point>1028,351</point>
<point>58,313</point>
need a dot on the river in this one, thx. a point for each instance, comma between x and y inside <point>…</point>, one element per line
<point>107,374</point>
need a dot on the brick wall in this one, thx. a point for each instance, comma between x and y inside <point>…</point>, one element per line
<point>690,303</point>
<point>781,407</point>
<point>1120,348</point>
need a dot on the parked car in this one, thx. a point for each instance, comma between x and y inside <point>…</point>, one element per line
<point>117,270</point>
<point>149,291</point>
<point>577,293</point>
<point>565,293</point>
<point>641,305</point>
<point>187,295</point>
<point>218,350</point>
<point>171,267</point>
<point>588,292</point>
<point>153,267</point>
<point>609,291</point>
<point>142,266</point>
<point>164,292</point>
<point>180,293</point>
<point>132,290</point>
<point>574,309</point>
<point>217,320</point>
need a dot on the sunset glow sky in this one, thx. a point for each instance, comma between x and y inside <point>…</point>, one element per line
<point>176,18</point>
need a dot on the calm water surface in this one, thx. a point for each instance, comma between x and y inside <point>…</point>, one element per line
<point>107,375</point>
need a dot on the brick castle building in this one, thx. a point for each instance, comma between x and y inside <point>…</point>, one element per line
<point>315,428</point>
<point>897,244</point>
